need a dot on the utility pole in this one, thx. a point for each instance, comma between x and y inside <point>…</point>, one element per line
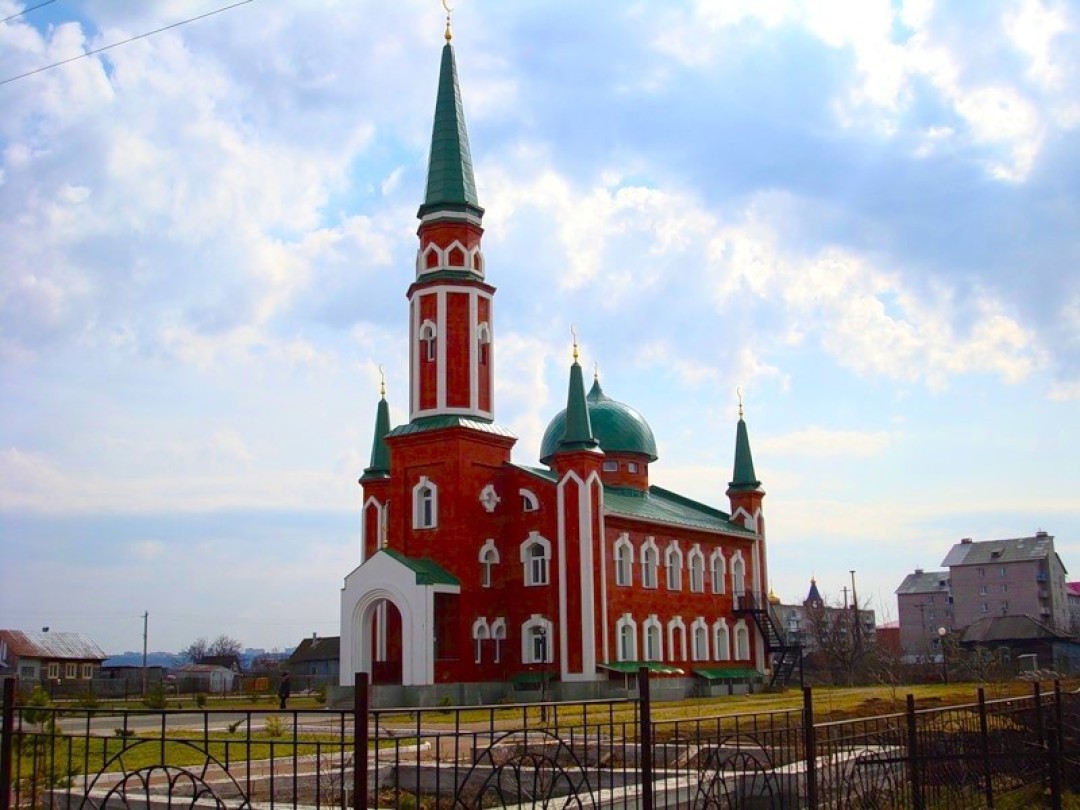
<point>145,624</point>
<point>855,612</point>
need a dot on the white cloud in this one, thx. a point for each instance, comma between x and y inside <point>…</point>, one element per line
<point>823,443</point>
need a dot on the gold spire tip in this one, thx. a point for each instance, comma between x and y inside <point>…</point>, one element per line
<point>382,382</point>
<point>573,332</point>
<point>738,393</point>
<point>449,34</point>
<point>596,372</point>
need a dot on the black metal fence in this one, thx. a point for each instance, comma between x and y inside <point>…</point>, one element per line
<point>1023,751</point>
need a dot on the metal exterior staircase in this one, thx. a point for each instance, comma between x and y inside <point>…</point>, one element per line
<point>786,655</point>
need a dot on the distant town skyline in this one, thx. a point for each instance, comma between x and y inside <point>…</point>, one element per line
<point>863,213</point>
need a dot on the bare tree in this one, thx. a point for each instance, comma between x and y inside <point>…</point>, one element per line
<point>197,650</point>
<point>224,646</point>
<point>836,636</point>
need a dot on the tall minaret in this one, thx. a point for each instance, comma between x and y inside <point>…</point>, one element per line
<point>451,351</point>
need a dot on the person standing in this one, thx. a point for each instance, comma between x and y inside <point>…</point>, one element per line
<point>284,689</point>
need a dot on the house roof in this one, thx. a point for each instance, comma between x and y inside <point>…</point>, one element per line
<point>924,582</point>
<point>62,646</point>
<point>664,506</point>
<point>1009,628</point>
<point>1011,550</point>
<point>194,669</point>
<point>318,648</point>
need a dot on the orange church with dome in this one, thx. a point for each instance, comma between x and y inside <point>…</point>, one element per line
<point>483,573</point>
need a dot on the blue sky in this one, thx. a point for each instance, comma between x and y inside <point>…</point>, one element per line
<point>864,213</point>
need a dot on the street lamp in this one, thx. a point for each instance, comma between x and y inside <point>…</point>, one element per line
<point>942,634</point>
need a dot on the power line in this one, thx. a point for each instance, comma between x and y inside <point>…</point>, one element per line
<point>28,10</point>
<point>124,42</point>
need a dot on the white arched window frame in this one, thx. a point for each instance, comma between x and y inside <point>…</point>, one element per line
<point>650,562</point>
<point>742,641</point>
<point>537,640</point>
<point>536,559</point>
<point>654,639</point>
<point>498,636</point>
<point>480,633</point>
<point>676,639</point>
<point>624,561</point>
<point>626,638</point>
<point>696,565</point>
<point>425,504</point>
<point>699,639</point>
<point>529,501</point>
<point>489,558</point>
<point>718,570</point>
<point>483,342</point>
<point>738,576</point>
<point>673,560</point>
<point>427,337</point>
<point>721,640</point>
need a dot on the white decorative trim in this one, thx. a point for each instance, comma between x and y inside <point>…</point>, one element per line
<point>380,528</point>
<point>699,626</point>
<point>673,573</point>
<point>442,213</point>
<point>738,576</point>
<point>721,587</point>
<point>489,498</point>
<point>530,503</point>
<point>535,538</point>
<point>676,631</point>
<point>648,626</point>
<point>695,555</point>
<point>489,558</point>
<point>721,640</point>
<point>586,575</point>
<point>742,641</point>
<point>626,623</point>
<point>536,621</point>
<point>623,544</point>
<point>498,635</point>
<point>417,514</point>
<point>480,633</point>
<point>649,546</point>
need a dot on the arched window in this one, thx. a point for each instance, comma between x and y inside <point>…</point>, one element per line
<point>536,558</point>
<point>696,565</point>
<point>738,576</point>
<point>673,564</point>
<point>480,634</point>
<point>721,641</point>
<point>489,558</point>
<point>537,640</point>
<point>654,644</point>
<point>624,561</point>
<point>650,561</point>
<point>483,343</point>
<point>529,501</point>
<point>676,639</point>
<point>427,340</point>
<point>498,636</point>
<point>425,504</point>
<point>742,641</point>
<point>717,571</point>
<point>626,635</point>
<point>699,639</point>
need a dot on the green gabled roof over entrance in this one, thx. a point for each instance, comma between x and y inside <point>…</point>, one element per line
<point>428,572</point>
<point>450,183</point>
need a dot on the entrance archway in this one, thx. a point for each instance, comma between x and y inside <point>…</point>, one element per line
<point>383,631</point>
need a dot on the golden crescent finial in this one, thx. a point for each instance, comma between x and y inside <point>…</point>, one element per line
<point>573,332</point>
<point>449,35</point>
<point>738,393</point>
<point>382,382</point>
<point>596,372</point>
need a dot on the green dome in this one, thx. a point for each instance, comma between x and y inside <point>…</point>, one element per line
<point>618,428</point>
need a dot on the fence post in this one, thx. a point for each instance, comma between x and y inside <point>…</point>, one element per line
<point>7,743</point>
<point>1040,729</point>
<point>984,737</point>
<point>1055,773</point>
<point>645,739</point>
<point>913,756</point>
<point>361,703</point>
<point>810,748</point>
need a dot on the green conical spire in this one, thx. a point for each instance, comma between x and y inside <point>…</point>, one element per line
<point>450,182</point>
<point>578,433</point>
<point>380,453</point>
<point>742,477</point>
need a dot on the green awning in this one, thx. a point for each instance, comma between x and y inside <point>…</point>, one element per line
<point>631,667</point>
<point>729,674</point>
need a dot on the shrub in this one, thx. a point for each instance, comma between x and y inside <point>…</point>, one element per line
<point>37,707</point>
<point>87,700</point>
<point>200,700</point>
<point>155,697</point>
<point>320,693</point>
<point>274,726</point>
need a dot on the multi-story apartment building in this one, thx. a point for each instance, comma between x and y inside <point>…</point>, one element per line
<point>1021,576</point>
